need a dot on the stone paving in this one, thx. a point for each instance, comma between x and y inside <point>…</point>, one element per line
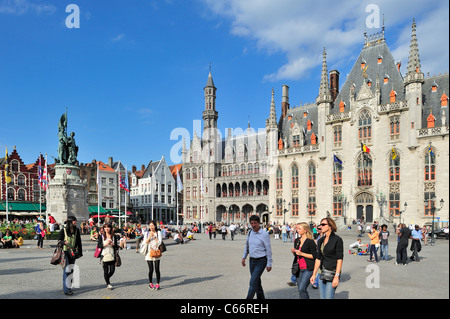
<point>211,269</point>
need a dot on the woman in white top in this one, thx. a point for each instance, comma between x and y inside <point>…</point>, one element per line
<point>154,240</point>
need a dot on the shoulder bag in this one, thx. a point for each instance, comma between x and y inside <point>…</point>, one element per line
<point>57,255</point>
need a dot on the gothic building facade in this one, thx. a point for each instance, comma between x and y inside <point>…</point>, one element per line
<point>374,149</point>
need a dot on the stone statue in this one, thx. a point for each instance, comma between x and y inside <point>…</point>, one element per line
<point>67,149</point>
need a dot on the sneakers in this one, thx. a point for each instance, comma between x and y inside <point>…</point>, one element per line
<point>154,287</point>
<point>109,287</point>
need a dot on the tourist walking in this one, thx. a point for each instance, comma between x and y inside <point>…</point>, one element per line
<point>374,241</point>
<point>70,240</point>
<point>40,234</point>
<point>224,231</point>
<point>259,249</point>
<point>305,253</point>
<point>384,241</point>
<point>416,246</point>
<point>108,243</point>
<point>153,258</point>
<point>403,233</point>
<point>330,255</point>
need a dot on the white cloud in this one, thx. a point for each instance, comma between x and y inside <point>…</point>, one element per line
<point>300,29</point>
<point>20,7</point>
<point>118,37</point>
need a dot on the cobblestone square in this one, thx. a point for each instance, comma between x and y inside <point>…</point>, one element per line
<point>211,269</point>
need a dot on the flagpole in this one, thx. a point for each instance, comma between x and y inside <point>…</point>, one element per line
<point>40,186</point>
<point>126,181</point>
<point>99,186</point>
<point>6,183</point>
<point>118,191</point>
<point>46,188</point>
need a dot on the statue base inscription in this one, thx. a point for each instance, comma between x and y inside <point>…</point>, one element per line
<point>67,195</point>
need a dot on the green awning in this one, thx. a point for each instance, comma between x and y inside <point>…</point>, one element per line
<point>94,209</point>
<point>22,207</point>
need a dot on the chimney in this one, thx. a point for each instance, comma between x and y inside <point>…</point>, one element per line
<point>142,167</point>
<point>133,169</point>
<point>110,161</point>
<point>285,100</point>
<point>334,84</point>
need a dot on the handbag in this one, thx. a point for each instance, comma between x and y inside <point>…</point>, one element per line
<point>155,253</point>
<point>118,259</point>
<point>98,252</point>
<point>162,247</point>
<point>295,268</point>
<point>144,249</point>
<point>57,255</point>
<point>327,275</point>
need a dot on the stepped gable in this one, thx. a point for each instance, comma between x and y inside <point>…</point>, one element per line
<point>366,68</point>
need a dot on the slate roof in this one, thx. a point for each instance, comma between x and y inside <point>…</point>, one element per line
<point>388,67</point>
<point>296,115</point>
<point>432,100</point>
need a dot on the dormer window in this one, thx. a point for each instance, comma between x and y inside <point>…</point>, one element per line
<point>341,106</point>
<point>431,120</point>
<point>444,100</point>
<point>380,59</point>
<point>305,114</point>
<point>308,125</point>
<point>313,139</point>
<point>386,79</point>
<point>434,87</point>
<point>369,83</point>
<point>392,96</point>
<point>363,64</point>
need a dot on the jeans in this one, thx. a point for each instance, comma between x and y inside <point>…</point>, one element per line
<point>303,283</point>
<point>326,289</point>
<point>284,238</point>
<point>384,252</point>
<point>373,251</point>
<point>257,266</point>
<point>68,272</point>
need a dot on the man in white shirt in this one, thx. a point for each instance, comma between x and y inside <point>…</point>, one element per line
<point>232,231</point>
<point>260,251</point>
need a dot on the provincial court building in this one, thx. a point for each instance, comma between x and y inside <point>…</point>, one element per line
<point>375,149</point>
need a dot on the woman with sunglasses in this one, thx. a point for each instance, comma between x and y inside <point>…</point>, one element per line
<point>330,255</point>
<point>305,252</point>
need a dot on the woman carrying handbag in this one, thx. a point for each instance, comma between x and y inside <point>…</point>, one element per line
<point>107,242</point>
<point>153,256</point>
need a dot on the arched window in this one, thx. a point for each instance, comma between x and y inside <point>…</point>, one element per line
<point>256,168</point>
<point>294,171</point>
<point>394,167</point>
<point>14,166</point>
<point>243,171</point>
<point>188,174</point>
<point>365,126</point>
<point>194,173</point>
<point>21,180</point>
<point>311,175</point>
<point>21,195</point>
<point>364,163</point>
<point>337,173</point>
<point>279,178</point>
<point>250,169</point>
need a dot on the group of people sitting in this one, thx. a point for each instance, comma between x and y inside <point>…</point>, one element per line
<point>9,240</point>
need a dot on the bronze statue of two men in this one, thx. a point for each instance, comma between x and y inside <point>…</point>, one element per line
<point>67,149</point>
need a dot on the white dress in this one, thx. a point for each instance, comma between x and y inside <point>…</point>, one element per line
<point>153,244</point>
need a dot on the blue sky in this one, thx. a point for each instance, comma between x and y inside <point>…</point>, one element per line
<point>135,70</point>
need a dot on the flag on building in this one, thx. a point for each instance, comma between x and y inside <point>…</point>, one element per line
<point>7,168</point>
<point>364,148</point>
<point>430,150</point>
<point>99,181</point>
<point>179,184</point>
<point>337,160</point>
<point>394,154</point>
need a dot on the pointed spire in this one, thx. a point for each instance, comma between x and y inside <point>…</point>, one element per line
<point>414,59</point>
<point>273,115</point>
<point>210,82</point>
<point>324,89</point>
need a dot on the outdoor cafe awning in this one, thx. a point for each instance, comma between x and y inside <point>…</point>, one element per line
<point>22,208</point>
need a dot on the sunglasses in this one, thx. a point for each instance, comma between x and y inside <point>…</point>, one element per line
<point>323,224</point>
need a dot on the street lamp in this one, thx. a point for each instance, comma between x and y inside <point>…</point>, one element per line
<point>405,206</point>
<point>433,210</point>
<point>381,200</point>
<point>285,210</point>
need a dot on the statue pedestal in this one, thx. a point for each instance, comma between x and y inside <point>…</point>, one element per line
<point>67,195</point>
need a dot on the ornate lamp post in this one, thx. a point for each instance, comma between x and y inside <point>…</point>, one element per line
<point>433,210</point>
<point>381,200</point>
<point>285,210</point>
